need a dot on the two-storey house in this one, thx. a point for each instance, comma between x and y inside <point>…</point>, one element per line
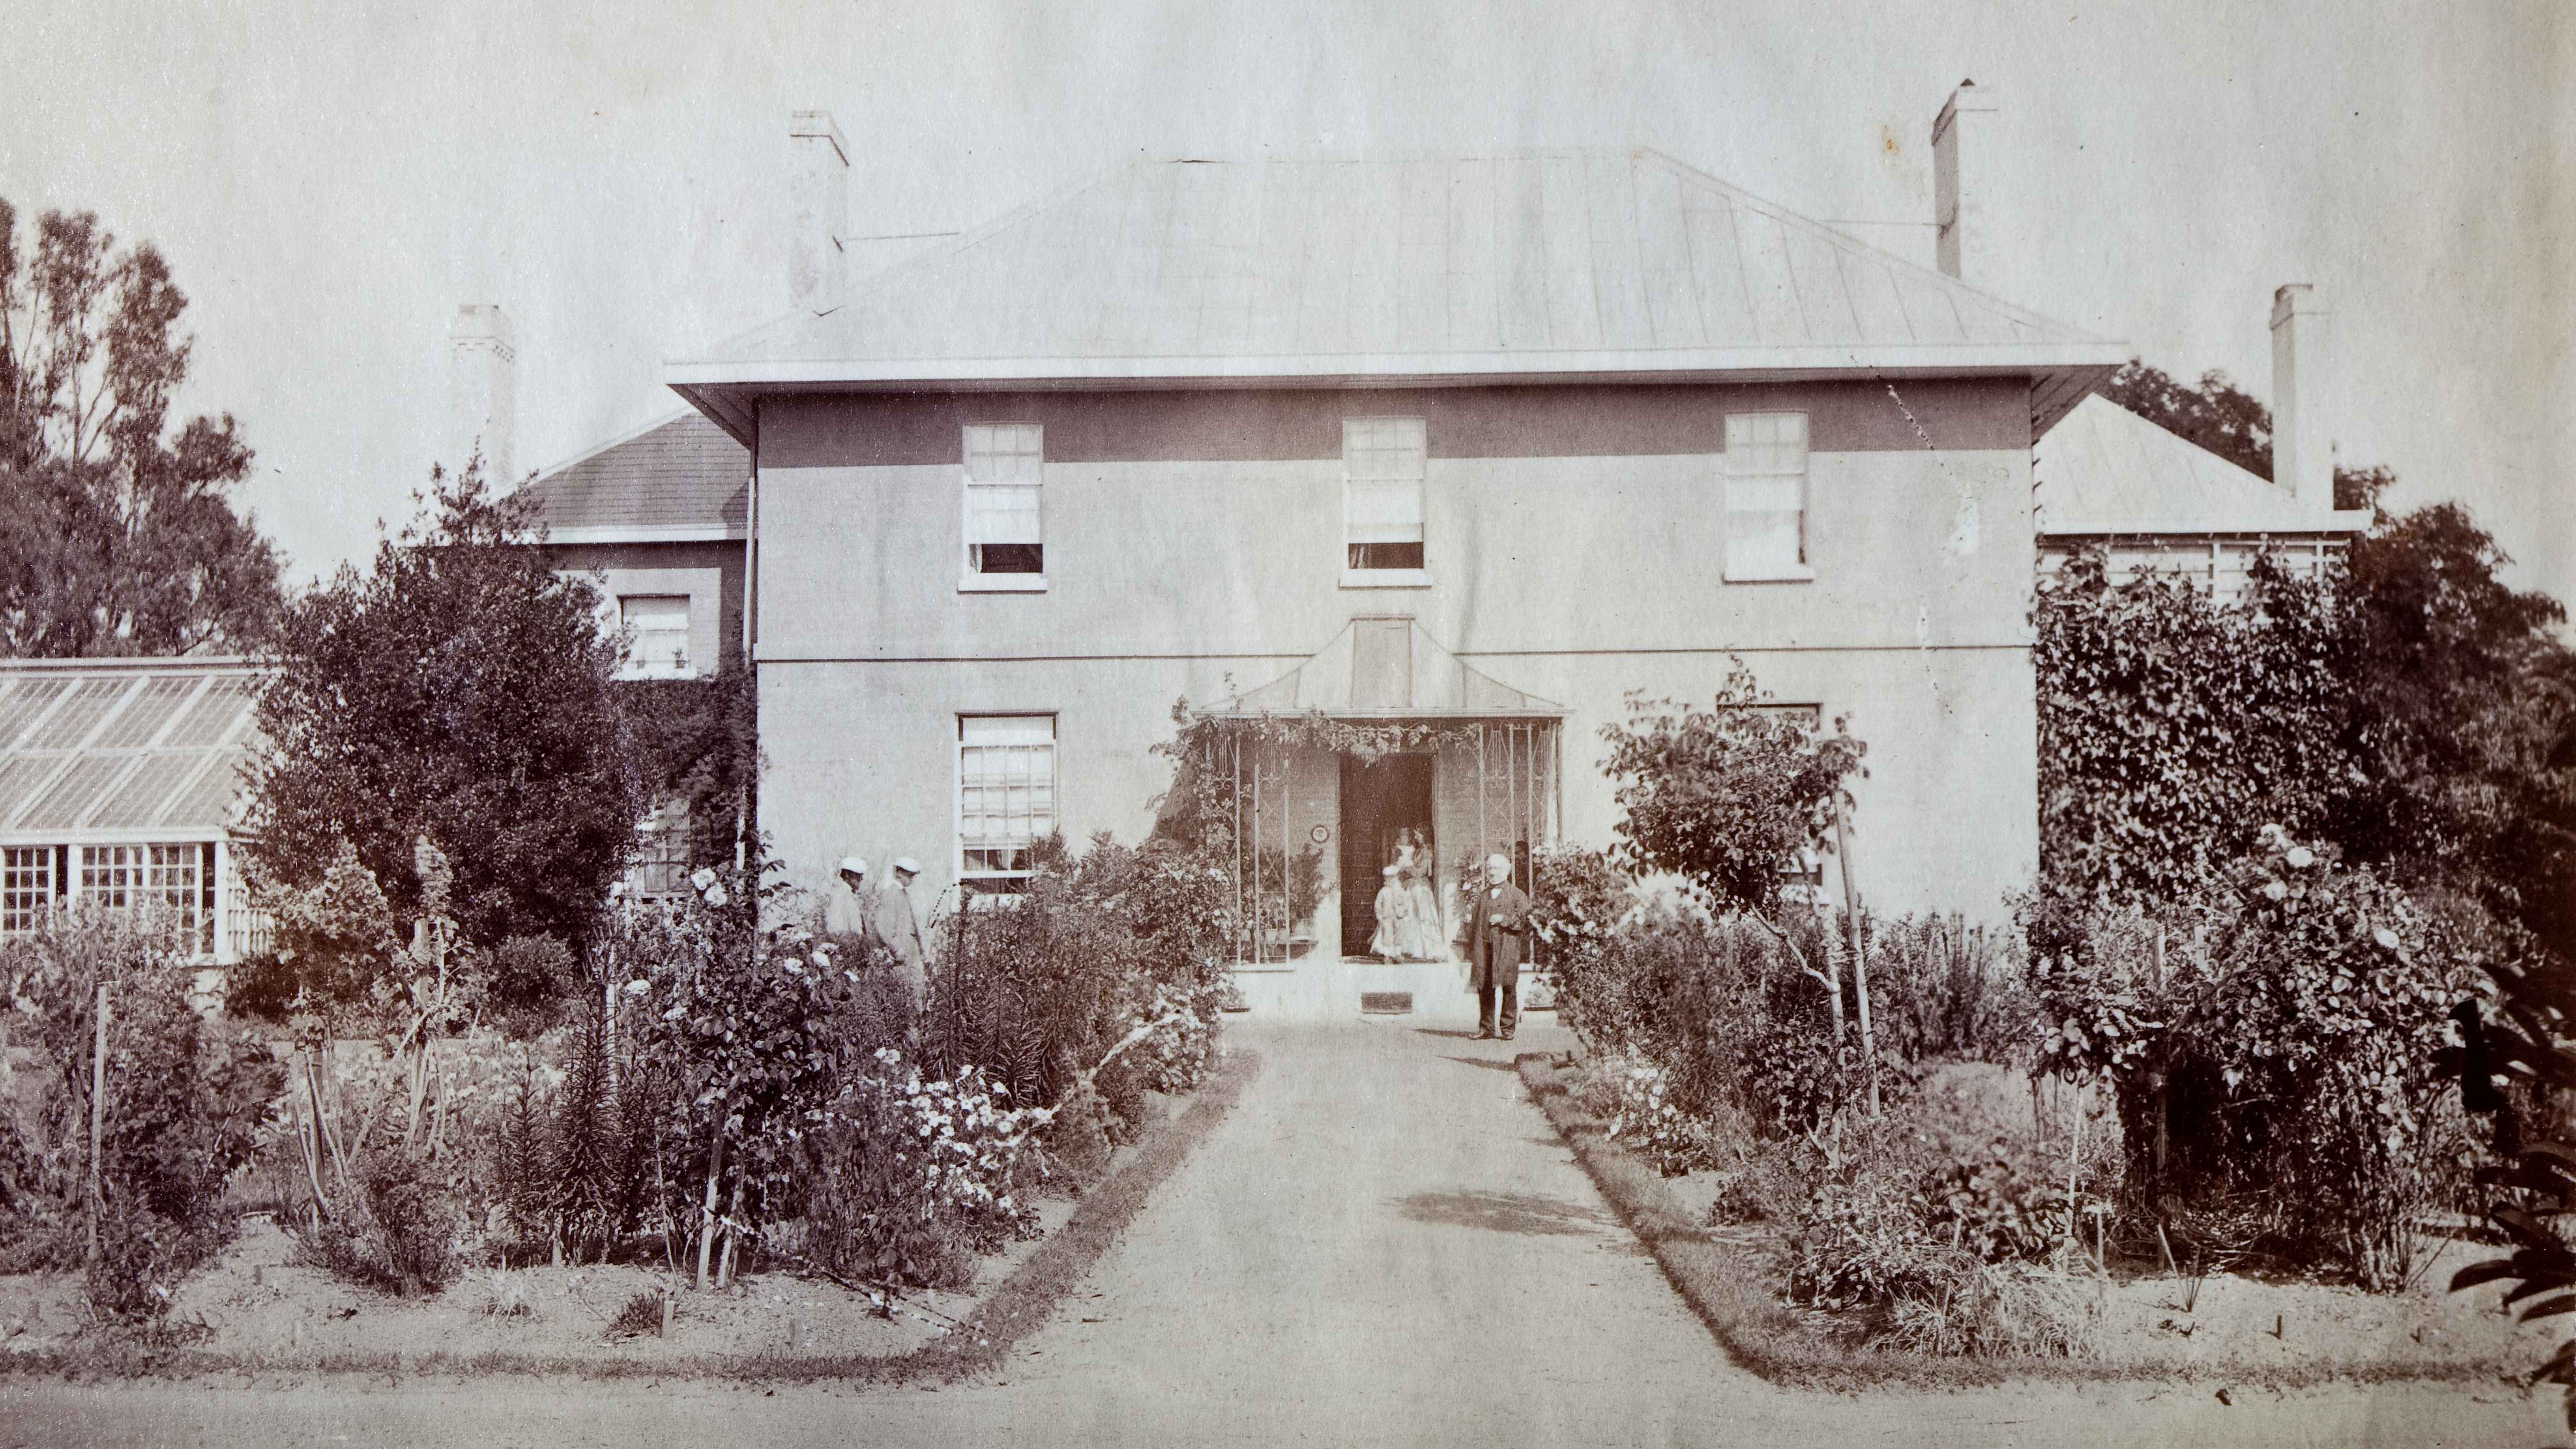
<point>1486,442</point>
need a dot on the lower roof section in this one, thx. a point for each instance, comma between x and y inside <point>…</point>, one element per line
<point>124,749</point>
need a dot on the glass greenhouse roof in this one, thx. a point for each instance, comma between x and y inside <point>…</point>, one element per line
<point>123,747</point>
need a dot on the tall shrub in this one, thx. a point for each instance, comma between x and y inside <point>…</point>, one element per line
<point>183,1107</point>
<point>460,689</point>
<point>2272,1038</point>
<point>2171,723</point>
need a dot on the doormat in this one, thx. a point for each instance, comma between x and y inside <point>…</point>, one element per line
<point>1386,1003</point>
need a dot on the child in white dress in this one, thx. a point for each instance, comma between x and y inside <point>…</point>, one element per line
<point>1395,925</point>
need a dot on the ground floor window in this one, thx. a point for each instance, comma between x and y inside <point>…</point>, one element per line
<point>661,860</point>
<point>27,888</point>
<point>1005,797</point>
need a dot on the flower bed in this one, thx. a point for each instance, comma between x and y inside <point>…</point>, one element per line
<point>262,1308</point>
<point>1739,1277</point>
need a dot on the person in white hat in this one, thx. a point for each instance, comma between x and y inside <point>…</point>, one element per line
<point>1497,944</point>
<point>899,930</point>
<point>845,911</point>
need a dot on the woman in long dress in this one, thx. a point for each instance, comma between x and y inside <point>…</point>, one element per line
<point>1427,941</point>
<point>1395,925</point>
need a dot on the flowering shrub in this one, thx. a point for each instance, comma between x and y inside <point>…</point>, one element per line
<point>914,1169</point>
<point>2275,1033</point>
<point>1724,1009</point>
<point>1647,1118</point>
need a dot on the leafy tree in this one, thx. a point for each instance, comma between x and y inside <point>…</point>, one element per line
<point>2227,421</point>
<point>2271,1027</point>
<point>117,537</point>
<point>2463,728</point>
<point>2417,712</point>
<point>1722,797</point>
<point>460,690</point>
<point>2216,414</point>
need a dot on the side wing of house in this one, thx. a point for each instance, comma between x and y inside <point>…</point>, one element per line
<point>2107,478</point>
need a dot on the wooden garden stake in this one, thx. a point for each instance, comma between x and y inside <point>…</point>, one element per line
<point>1860,961</point>
<point>2074,1154</point>
<point>666,1312</point>
<point>707,1211</point>
<point>97,1120</point>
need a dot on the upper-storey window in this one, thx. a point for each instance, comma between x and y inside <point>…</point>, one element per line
<point>1766,496</point>
<point>1382,465</point>
<point>1005,465</point>
<point>658,635</point>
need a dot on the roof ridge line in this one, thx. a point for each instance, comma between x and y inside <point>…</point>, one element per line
<point>621,440</point>
<point>971,237</point>
<point>1786,216</point>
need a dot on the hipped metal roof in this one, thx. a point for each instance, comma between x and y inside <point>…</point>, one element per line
<point>1554,266</point>
<point>1387,667</point>
<point>2106,472</point>
<point>105,749</point>
<point>680,480</point>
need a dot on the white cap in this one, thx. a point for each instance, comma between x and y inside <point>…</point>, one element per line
<point>907,865</point>
<point>853,865</point>
<point>1498,858</point>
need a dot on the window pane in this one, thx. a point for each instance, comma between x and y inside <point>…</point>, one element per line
<point>1759,543</point>
<point>1764,495</point>
<point>1002,513</point>
<point>660,628</point>
<point>1005,453</point>
<point>1365,556</point>
<point>26,888</point>
<point>1766,443</point>
<point>1006,790</point>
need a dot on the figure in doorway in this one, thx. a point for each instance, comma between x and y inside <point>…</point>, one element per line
<point>1394,938</point>
<point>1427,940</point>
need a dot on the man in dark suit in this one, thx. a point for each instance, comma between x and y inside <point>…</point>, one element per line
<point>1497,944</point>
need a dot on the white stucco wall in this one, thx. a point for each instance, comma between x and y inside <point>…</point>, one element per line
<point>1575,577</point>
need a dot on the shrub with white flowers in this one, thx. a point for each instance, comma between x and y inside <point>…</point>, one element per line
<point>2273,1035</point>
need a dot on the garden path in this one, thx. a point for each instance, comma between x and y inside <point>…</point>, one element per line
<point>1384,1244</point>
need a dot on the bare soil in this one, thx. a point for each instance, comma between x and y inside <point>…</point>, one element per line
<point>260,1306</point>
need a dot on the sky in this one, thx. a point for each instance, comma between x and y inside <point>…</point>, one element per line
<point>329,182</point>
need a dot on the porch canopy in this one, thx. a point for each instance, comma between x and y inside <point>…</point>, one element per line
<point>1385,666</point>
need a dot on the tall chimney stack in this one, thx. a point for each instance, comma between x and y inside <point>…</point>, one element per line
<point>1963,169</point>
<point>2303,459</point>
<point>820,192</point>
<point>483,386</point>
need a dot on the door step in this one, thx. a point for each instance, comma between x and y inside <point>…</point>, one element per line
<point>1386,1003</point>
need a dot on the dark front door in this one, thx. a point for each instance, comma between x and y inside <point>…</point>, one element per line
<point>1378,800</point>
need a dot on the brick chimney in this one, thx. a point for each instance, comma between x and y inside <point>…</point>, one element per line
<point>1963,166</point>
<point>820,193</point>
<point>2303,458</point>
<point>483,385</point>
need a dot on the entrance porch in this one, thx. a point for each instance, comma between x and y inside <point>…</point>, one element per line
<point>1359,794</point>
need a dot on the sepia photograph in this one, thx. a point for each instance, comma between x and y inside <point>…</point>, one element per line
<point>1104,722</point>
